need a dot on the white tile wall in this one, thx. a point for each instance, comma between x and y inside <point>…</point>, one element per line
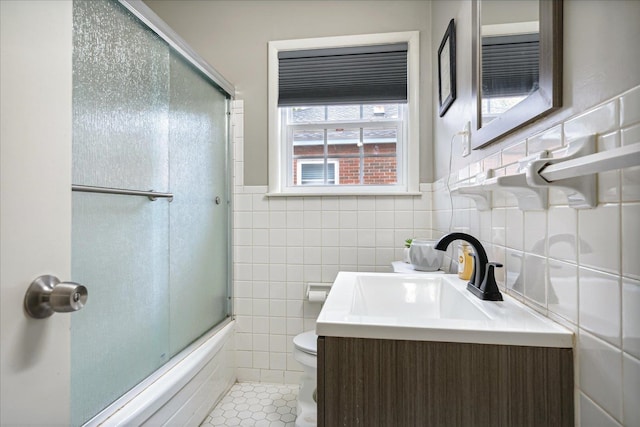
<point>578,267</point>
<point>282,243</point>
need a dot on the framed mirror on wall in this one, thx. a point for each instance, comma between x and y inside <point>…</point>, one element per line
<point>517,65</point>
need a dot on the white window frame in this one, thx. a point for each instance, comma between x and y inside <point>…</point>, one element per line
<point>408,156</point>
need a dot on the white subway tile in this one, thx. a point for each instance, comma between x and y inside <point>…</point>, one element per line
<point>535,232</point>
<point>591,415</point>
<point>630,107</point>
<point>599,228</point>
<point>631,317</point>
<point>312,219</point>
<point>348,219</point>
<point>562,290</point>
<point>330,203</point>
<point>403,203</point>
<point>600,304</point>
<point>260,254</point>
<point>331,237</point>
<point>514,153</point>
<point>367,219</point>
<point>535,280</point>
<point>631,391</point>
<point>312,203</point>
<point>403,219</point>
<point>295,255</point>
<point>260,308</point>
<point>383,219</point>
<point>514,271</point>
<point>261,289</point>
<point>631,240</point>
<point>366,203</point>
<point>550,139</point>
<point>608,182</point>
<point>563,234</point>
<point>277,290</point>
<point>278,341</point>
<point>261,359</point>
<point>600,120</point>
<point>260,324</point>
<point>348,204</point>
<point>260,236</point>
<point>330,255</point>
<point>600,373</point>
<point>277,219</point>
<point>514,228</point>
<point>312,237</point>
<point>330,219</point>
<point>295,237</point>
<point>243,202</point>
<point>277,273</point>
<point>367,238</point>
<point>278,254</point>
<point>277,329</point>
<point>631,176</point>
<point>498,224</point>
<point>260,342</point>
<point>277,361</point>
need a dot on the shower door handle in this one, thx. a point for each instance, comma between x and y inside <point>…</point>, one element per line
<point>47,295</point>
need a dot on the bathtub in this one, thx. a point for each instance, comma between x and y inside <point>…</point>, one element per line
<point>183,391</point>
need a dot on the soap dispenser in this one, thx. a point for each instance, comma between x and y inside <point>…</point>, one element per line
<point>465,261</point>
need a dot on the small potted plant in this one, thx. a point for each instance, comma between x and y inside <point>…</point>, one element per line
<point>407,247</point>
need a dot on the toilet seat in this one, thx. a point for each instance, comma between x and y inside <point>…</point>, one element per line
<point>307,342</point>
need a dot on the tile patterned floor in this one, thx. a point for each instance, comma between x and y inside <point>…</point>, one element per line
<point>255,404</point>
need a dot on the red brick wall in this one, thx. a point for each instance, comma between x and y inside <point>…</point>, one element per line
<point>377,170</point>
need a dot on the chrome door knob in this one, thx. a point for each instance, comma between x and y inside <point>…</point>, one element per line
<point>47,295</point>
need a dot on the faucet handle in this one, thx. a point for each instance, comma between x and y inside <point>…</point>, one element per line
<point>489,287</point>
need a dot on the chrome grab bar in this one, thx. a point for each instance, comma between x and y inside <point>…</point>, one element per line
<point>152,195</point>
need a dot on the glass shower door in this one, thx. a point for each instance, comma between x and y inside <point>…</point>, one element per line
<point>157,271</point>
<point>199,223</point>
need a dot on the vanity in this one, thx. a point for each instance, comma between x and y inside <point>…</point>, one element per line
<point>420,350</point>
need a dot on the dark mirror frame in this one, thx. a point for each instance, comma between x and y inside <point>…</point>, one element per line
<point>543,101</point>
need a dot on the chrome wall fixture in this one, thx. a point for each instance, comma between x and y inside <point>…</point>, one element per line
<point>47,295</point>
<point>152,195</point>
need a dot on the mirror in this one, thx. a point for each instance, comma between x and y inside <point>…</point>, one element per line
<point>517,65</point>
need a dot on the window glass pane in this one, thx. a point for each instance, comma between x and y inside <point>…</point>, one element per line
<point>344,145</point>
<point>307,114</point>
<point>380,135</point>
<point>380,170</point>
<point>342,113</point>
<point>380,112</point>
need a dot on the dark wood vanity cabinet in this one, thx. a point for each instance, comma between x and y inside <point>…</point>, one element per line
<point>389,383</point>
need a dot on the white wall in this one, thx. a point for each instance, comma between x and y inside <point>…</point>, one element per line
<point>233,37</point>
<point>35,207</point>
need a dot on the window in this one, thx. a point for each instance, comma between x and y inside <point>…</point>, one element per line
<point>332,133</point>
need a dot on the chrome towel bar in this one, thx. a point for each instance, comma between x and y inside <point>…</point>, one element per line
<point>152,195</point>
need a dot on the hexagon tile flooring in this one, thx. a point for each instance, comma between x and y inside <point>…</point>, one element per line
<point>255,404</point>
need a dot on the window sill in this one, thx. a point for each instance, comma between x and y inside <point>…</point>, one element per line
<point>349,194</point>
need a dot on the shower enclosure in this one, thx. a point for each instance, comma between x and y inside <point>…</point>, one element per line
<point>150,225</point>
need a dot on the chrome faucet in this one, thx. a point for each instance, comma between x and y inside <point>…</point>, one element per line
<point>483,283</point>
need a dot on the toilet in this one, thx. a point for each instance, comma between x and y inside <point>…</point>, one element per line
<point>305,350</point>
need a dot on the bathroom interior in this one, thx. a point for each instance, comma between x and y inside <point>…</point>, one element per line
<point>204,283</point>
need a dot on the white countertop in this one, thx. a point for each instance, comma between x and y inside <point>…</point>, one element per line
<point>436,307</point>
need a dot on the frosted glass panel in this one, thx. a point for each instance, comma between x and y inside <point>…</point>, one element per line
<point>120,99</point>
<point>121,335</point>
<point>157,272</point>
<point>198,236</point>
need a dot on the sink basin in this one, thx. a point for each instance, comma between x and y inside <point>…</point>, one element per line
<point>411,299</point>
<point>430,307</point>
